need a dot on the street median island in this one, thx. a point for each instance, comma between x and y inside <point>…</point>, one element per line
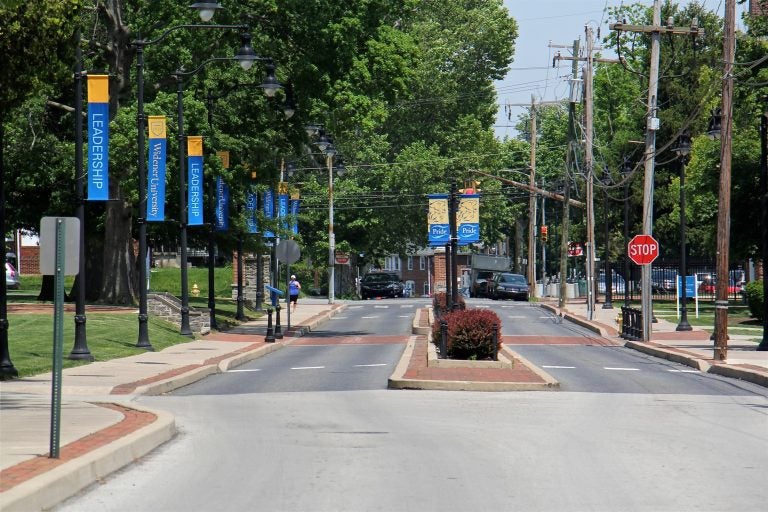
<point>420,368</point>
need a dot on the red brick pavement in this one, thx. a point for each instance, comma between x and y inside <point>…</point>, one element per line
<point>132,421</point>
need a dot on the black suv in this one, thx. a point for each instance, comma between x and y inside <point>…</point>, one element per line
<point>381,284</point>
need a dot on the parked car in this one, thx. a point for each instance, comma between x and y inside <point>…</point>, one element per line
<point>381,284</point>
<point>508,285</point>
<point>480,287</point>
<point>709,287</point>
<point>663,280</point>
<point>11,277</point>
<point>617,283</point>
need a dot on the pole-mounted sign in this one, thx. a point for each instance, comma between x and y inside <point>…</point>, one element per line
<point>643,249</point>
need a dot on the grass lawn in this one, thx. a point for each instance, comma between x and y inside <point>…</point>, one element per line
<point>114,334</point>
<point>739,321</point>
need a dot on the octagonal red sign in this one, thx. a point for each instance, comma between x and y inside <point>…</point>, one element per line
<point>643,249</point>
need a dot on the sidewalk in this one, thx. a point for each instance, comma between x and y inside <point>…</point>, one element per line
<point>103,429</point>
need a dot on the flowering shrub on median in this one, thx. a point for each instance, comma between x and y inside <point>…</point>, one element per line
<point>471,334</point>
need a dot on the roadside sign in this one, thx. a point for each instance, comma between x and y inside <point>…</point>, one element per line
<point>342,258</point>
<point>288,251</point>
<point>575,249</point>
<point>643,249</point>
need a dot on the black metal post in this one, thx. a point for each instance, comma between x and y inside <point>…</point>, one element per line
<point>212,263</point>
<point>270,337</point>
<point>443,339</point>
<point>240,316</point>
<point>80,349</point>
<point>763,345</point>
<point>7,370</point>
<point>683,325</point>
<point>182,138</point>
<point>454,250</point>
<point>143,340</point>
<point>278,328</point>
<point>608,304</point>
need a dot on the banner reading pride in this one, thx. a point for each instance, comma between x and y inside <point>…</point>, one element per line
<point>468,219</point>
<point>195,180</point>
<point>437,220</point>
<point>98,137</point>
<point>222,205</point>
<point>156,174</point>
<point>269,209</point>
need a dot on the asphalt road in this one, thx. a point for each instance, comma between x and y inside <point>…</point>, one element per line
<point>310,427</point>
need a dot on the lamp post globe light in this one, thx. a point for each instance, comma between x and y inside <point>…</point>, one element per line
<point>683,149</point>
<point>206,9</point>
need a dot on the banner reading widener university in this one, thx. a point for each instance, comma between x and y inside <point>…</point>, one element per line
<point>250,211</point>
<point>156,174</point>
<point>98,137</point>
<point>222,205</point>
<point>194,180</point>
<point>468,219</point>
<point>437,220</point>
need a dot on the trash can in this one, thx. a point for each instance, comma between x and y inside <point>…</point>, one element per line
<point>539,290</point>
<point>571,290</point>
<point>582,287</point>
<point>554,289</point>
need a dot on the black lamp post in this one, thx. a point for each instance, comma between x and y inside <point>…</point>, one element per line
<point>206,13</point>
<point>763,345</point>
<point>683,150</point>
<point>80,349</point>
<point>7,370</point>
<point>608,304</point>
<point>626,171</point>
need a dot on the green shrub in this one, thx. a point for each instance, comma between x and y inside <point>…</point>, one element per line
<point>440,304</point>
<point>755,299</point>
<point>471,334</point>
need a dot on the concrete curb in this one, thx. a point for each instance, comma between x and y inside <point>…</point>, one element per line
<point>735,372</point>
<point>670,355</point>
<point>66,480</point>
<point>549,381</point>
<point>592,326</point>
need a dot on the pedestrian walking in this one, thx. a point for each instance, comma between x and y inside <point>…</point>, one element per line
<point>293,291</point>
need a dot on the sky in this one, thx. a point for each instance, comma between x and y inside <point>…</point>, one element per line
<point>560,22</point>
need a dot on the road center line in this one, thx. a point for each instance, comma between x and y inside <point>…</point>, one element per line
<point>622,369</point>
<point>339,317</point>
<point>308,368</point>
<point>244,370</point>
<point>560,367</point>
<point>369,365</point>
<point>368,317</point>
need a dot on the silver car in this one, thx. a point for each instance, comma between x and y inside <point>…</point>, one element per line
<point>11,277</point>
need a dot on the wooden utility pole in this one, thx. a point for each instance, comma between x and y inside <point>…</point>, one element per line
<point>567,175</point>
<point>531,267</point>
<point>652,124</point>
<point>724,204</point>
<point>589,164</point>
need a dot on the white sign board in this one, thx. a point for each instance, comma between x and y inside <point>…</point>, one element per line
<point>71,225</point>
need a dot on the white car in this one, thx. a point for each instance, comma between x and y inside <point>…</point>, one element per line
<point>617,283</point>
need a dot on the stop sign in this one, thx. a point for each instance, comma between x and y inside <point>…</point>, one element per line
<point>643,249</point>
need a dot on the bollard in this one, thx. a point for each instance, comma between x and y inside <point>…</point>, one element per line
<point>495,342</point>
<point>278,329</point>
<point>270,337</point>
<point>443,339</point>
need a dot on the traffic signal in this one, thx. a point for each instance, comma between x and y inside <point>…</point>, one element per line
<point>543,233</point>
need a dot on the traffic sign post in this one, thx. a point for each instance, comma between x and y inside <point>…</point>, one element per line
<point>643,249</point>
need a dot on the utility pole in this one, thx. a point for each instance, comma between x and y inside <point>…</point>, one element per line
<point>589,164</point>
<point>531,268</point>
<point>567,175</point>
<point>724,204</point>
<point>652,124</point>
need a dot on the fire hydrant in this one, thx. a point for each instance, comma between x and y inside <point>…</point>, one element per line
<point>620,321</point>
<point>195,290</point>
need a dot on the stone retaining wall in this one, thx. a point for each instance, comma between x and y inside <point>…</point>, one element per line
<point>168,307</point>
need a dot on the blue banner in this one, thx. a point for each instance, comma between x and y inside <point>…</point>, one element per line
<point>282,210</point>
<point>98,137</point>
<point>222,205</point>
<point>194,180</point>
<point>437,220</point>
<point>295,214</point>
<point>269,209</point>
<point>468,219</point>
<point>156,171</point>
<point>250,212</point>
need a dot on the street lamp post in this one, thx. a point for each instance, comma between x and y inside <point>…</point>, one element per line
<point>763,345</point>
<point>608,304</point>
<point>80,349</point>
<point>206,12</point>
<point>330,152</point>
<point>626,171</point>
<point>682,150</point>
